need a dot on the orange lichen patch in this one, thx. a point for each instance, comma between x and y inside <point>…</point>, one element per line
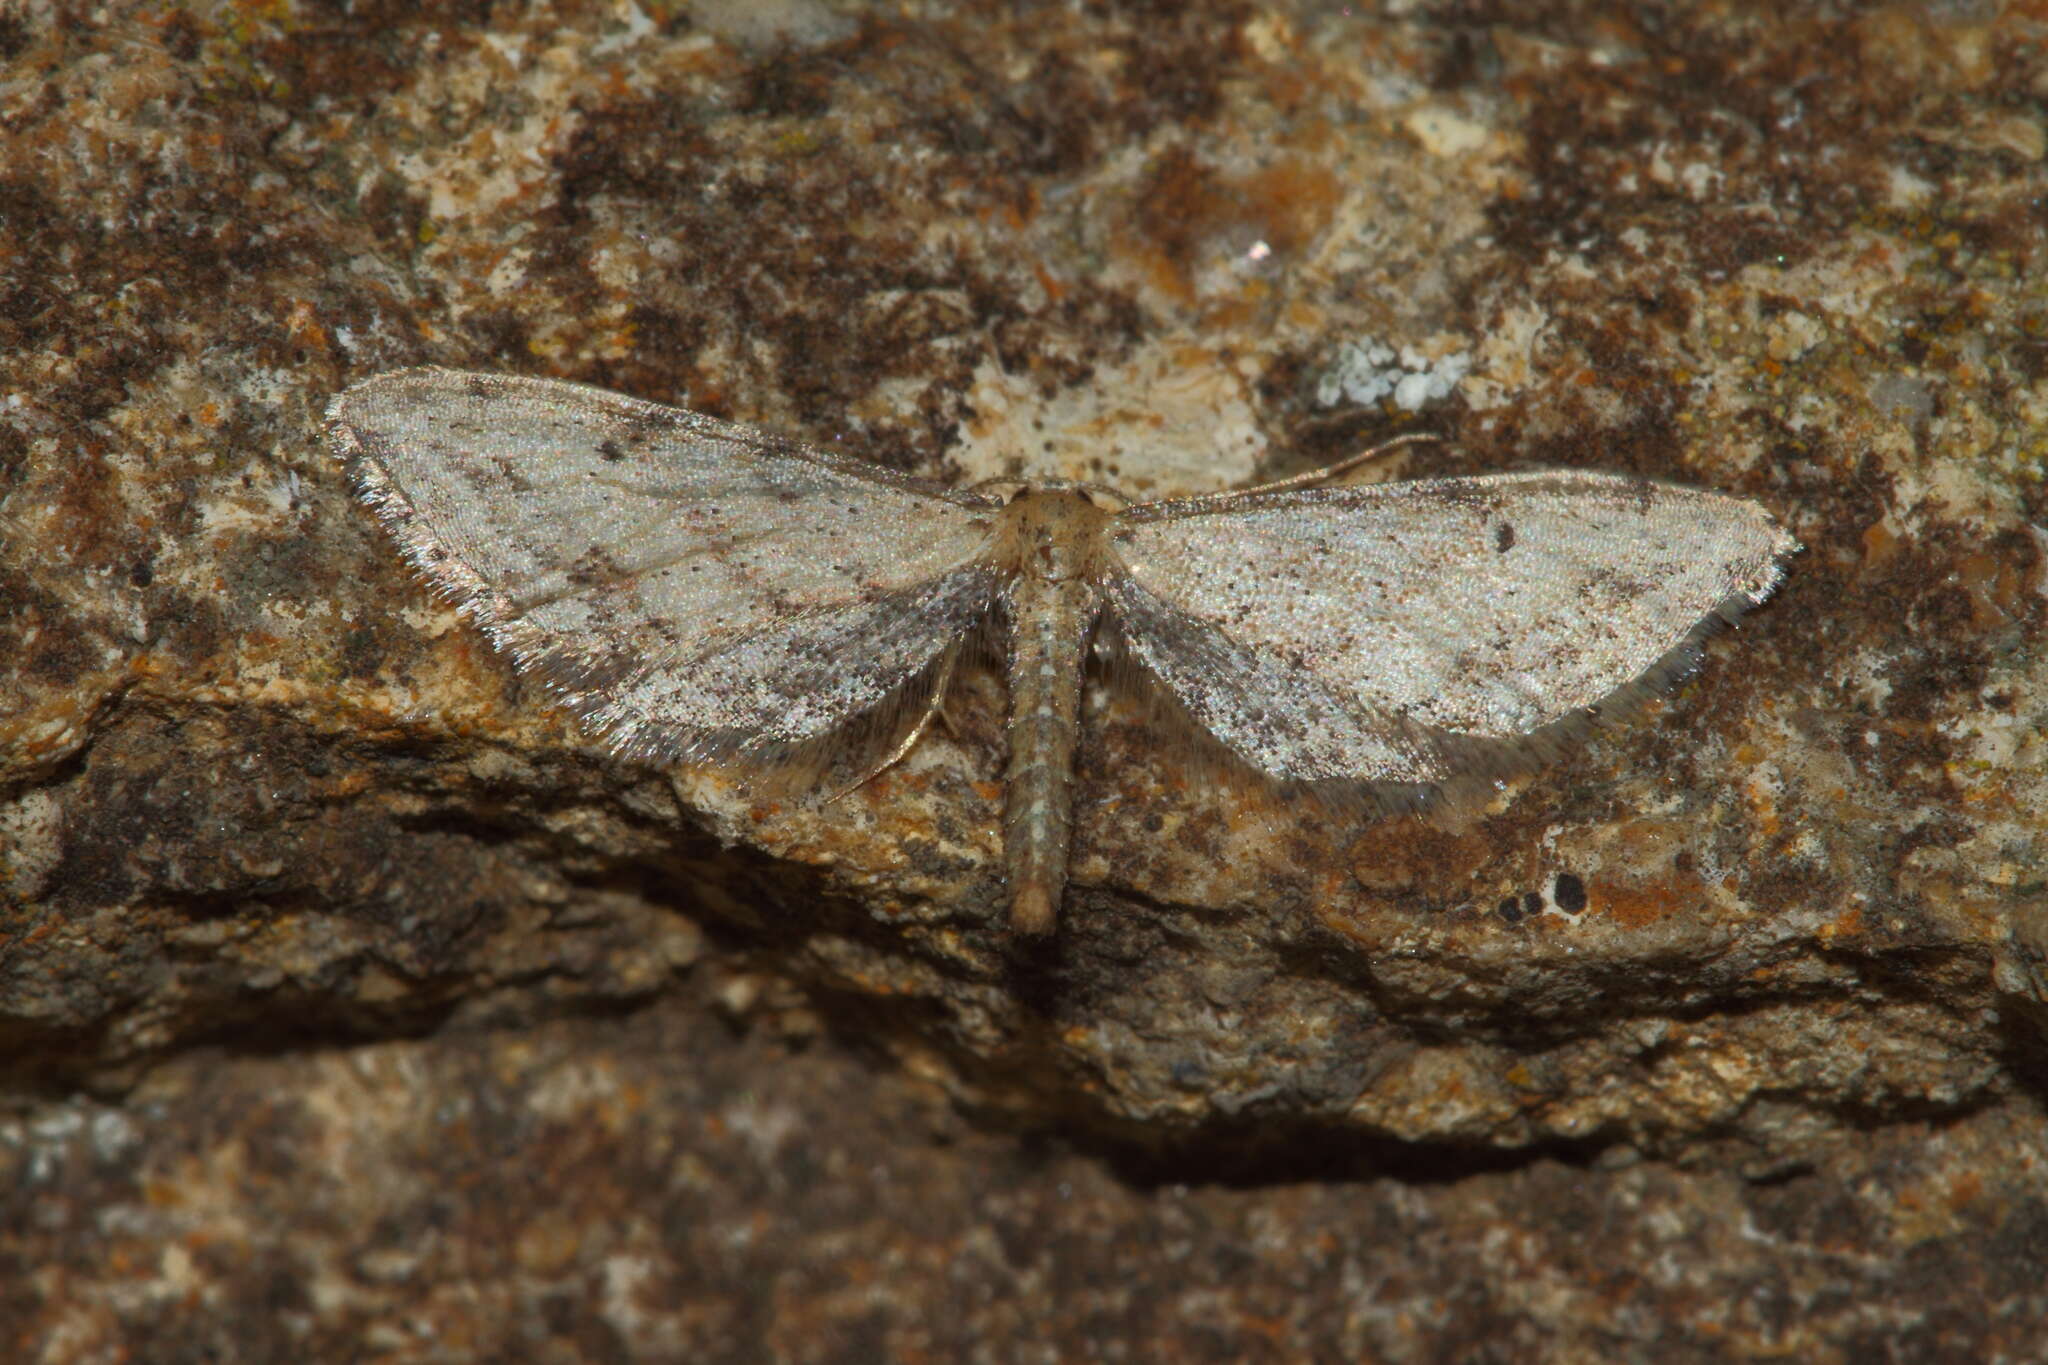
<point>1847,925</point>
<point>1186,207</point>
<point>1054,289</point>
<point>1407,851</point>
<point>1639,905</point>
<point>39,932</point>
<point>1996,587</point>
<point>1297,200</point>
<point>1763,803</point>
<point>353,783</point>
<point>1876,257</point>
<point>304,327</point>
<point>1330,886</point>
<point>1972,790</point>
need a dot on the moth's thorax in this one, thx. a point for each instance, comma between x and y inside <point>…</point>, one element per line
<point>1053,533</point>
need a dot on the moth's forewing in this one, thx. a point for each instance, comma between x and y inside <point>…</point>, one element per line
<point>1375,632</point>
<point>693,588</point>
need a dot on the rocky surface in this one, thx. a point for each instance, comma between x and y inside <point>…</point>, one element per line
<point>352,1005</point>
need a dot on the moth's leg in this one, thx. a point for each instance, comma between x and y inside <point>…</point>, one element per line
<point>1343,466</point>
<point>940,683</point>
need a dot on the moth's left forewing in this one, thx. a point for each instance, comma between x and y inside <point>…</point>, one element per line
<point>1411,620</point>
<point>693,588</point>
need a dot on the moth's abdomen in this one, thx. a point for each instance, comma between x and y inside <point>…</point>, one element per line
<point>1049,625</point>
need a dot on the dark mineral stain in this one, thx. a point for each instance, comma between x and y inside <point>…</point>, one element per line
<point>1569,893</point>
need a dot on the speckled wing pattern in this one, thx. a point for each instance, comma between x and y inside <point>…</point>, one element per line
<point>1373,634</point>
<point>693,589</point>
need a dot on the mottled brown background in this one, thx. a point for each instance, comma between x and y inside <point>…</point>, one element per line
<point>353,1007</point>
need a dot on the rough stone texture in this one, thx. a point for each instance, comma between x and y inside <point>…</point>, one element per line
<point>353,1006</point>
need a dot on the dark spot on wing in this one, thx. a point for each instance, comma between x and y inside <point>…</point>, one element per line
<point>609,449</point>
<point>508,471</point>
<point>594,567</point>
<point>1612,585</point>
<point>1503,537</point>
<point>641,427</point>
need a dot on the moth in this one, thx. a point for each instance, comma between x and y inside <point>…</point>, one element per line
<point>699,591</point>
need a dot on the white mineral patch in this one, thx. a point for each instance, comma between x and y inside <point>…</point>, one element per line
<point>31,844</point>
<point>1368,370</point>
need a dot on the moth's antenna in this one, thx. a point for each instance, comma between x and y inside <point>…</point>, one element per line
<point>1343,466</point>
<point>1230,496</point>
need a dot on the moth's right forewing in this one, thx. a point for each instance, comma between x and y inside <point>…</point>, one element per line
<point>694,587</point>
<point>1417,620</point>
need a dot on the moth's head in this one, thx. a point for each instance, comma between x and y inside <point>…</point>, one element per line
<point>1100,495</point>
<point>1056,531</point>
